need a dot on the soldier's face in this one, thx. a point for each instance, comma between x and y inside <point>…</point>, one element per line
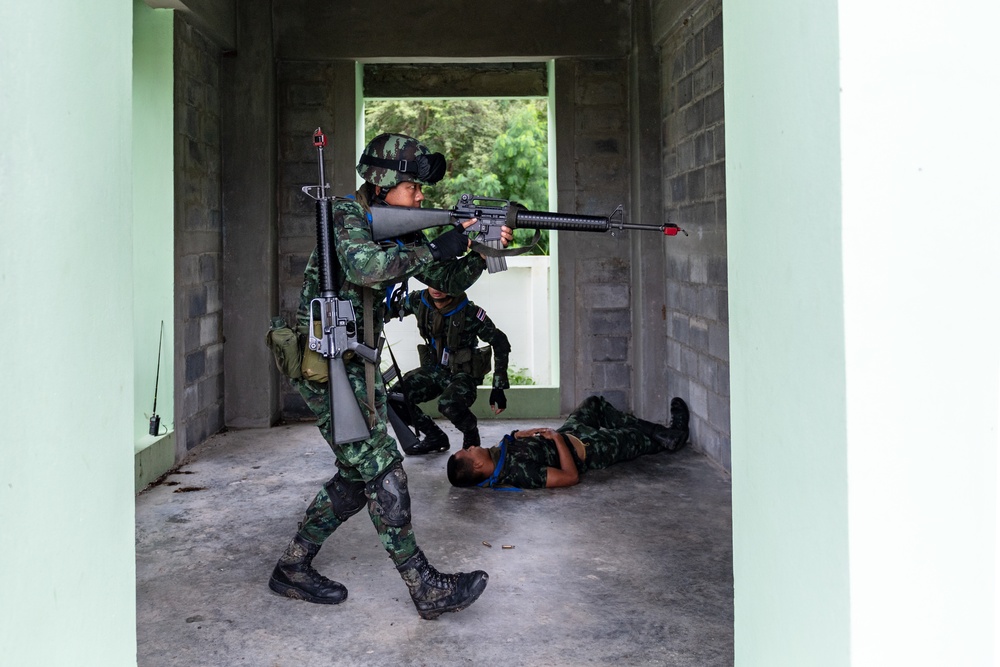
<point>405,194</point>
<point>440,299</point>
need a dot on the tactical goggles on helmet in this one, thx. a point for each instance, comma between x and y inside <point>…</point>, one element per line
<point>427,168</point>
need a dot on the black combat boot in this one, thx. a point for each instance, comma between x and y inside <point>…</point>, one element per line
<point>434,440</point>
<point>679,415</point>
<point>434,593</point>
<point>673,436</point>
<point>295,578</point>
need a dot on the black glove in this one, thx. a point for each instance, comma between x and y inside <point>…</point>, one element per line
<point>449,245</point>
<point>498,399</point>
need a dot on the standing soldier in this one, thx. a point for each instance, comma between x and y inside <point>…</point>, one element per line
<point>451,366</point>
<point>370,472</point>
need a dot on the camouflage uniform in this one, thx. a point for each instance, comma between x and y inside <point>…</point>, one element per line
<point>364,262</point>
<point>451,366</point>
<point>608,434</point>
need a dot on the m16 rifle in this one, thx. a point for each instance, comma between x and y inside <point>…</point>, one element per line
<point>389,222</point>
<point>334,317</point>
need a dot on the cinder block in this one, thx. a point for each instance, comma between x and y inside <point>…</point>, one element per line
<point>715,178</point>
<point>679,327</point>
<point>694,117</point>
<point>611,375</point>
<point>708,303</point>
<point>713,34</point>
<point>718,341</point>
<point>698,335</point>
<point>698,400</point>
<point>210,330</point>
<point>197,301</point>
<point>194,366</point>
<point>704,148</point>
<point>696,183</point>
<point>603,322</point>
<point>611,348</point>
<point>714,108</point>
<point>718,411</point>
<point>603,296</point>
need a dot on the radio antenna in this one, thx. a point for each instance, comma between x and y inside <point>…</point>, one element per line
<point>154,421</point>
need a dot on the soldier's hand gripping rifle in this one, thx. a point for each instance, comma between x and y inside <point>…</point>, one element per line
<point>338,328</point>
<point>389,222</point>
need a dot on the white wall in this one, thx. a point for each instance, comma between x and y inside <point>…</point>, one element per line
<point>921,235</point>
<point>518,302</point>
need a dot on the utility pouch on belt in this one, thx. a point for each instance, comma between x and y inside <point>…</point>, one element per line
<point>314,366</point>
<point>482,361</point>
<point>286,348</point>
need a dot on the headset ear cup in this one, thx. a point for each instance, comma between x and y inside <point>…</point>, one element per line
<point>431,167</point>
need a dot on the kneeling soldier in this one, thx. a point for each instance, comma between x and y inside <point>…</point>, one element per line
<point>451,366</point>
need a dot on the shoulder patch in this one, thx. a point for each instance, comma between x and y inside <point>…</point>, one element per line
<point>481,315</point>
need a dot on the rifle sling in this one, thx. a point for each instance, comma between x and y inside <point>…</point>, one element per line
<point>368,305</point>
<point>489,251</point>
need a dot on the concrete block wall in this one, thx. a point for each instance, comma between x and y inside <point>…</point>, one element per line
<point>694,193</point>
<point>310,95</point>
<point>198,236</point>
<point>593,158</point>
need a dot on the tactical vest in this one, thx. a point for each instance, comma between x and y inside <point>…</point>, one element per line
<point>442,331</point>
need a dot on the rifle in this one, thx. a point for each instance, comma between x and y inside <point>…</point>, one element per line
<point>338,326</point>
<point>390,222</point>
<point>400,422</point>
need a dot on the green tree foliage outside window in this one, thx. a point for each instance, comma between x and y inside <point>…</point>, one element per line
<point>494,148</point>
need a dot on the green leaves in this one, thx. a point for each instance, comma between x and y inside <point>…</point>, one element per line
<point>494,148</point>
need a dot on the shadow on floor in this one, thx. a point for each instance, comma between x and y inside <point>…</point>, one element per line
<point>633,566</point>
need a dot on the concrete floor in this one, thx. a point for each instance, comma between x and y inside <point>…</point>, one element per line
<point>633,566</point>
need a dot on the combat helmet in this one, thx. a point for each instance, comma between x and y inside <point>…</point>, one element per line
<point>390,159</point>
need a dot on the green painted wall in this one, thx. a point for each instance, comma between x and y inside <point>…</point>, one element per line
<point>66,277</point>
<point>153,236</point>
<point>865,367</point>
<point>788,410</point>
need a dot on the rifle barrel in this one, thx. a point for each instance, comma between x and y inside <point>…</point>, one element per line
<point>567,222</point>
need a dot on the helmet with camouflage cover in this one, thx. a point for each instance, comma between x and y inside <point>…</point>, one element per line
<point>390,159</point>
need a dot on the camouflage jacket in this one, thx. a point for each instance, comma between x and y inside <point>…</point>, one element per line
<point>527,462</point>
<point>457,329</point>
<point>367,263</point>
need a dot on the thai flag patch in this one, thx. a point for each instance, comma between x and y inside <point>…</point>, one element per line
<point>481,315</point>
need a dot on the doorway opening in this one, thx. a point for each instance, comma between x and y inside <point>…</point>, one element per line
<point>498,145</point>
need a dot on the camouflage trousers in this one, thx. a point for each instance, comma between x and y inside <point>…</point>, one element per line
<point>609,435</point>
<point>357,462</point>
<point>457,393</point>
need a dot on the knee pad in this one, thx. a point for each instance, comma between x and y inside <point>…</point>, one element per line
<point>346,498</point>
<point>389,497</point>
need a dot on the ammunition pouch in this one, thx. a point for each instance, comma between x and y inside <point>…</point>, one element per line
<point>477,362</point>
<point>427,357</point>
<point>286,346</point>
<point>474,361</point>
<point>482,361</point>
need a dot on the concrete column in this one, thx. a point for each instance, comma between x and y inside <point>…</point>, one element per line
<point>251,236</point>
